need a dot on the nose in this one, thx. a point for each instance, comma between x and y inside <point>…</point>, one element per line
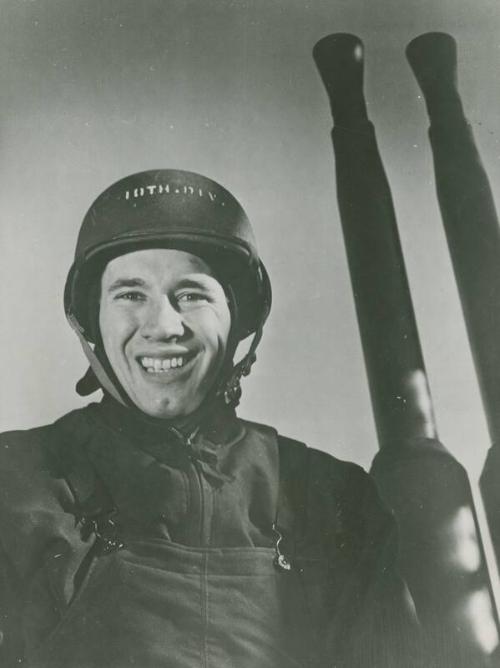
<point>163,322</point>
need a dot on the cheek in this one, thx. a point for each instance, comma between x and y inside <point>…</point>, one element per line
<point>217,327</point>
<point>224,337</point>
<point>116,329</point>
<point>223,317</point>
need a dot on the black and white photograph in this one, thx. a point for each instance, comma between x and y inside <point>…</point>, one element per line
<point>250,334</point>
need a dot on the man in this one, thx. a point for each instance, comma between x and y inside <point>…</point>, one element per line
<point>157,529</point>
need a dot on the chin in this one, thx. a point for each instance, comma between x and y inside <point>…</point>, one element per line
<point>165,409</point>
<point>161,412</point>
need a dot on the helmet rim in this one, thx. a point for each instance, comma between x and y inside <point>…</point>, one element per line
<point>89,266</point>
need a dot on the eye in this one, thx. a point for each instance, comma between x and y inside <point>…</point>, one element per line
<point>132,296</point>
<point>191,298</point>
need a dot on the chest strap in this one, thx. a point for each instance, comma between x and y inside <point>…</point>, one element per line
<point>95,509</point>
<point>291,511</point>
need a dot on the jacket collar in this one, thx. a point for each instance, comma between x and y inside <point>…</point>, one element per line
<point>216,423</point>
<point>208,432</point>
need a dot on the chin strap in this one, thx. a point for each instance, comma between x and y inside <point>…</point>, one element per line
<point>231,388</point>
<point>95,364</point>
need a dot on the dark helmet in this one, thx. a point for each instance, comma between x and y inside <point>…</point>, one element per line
<point>173,209</point>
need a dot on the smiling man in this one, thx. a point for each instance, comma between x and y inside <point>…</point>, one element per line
<point>164,321</point>
<point>157,529</point>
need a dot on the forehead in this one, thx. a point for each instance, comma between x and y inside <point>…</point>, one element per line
<point>156,264</point>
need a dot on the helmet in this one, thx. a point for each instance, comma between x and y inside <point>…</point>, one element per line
<point>173,209</point>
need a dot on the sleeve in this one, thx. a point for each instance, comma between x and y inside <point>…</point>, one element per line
<point>11,639</point>
<point>379,626</point>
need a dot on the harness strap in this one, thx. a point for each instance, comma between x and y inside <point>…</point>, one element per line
<point>95,508</point>
<point>291,510</point>
<point>93,360</point>
<point>292,521</point>
<point>90,493</point>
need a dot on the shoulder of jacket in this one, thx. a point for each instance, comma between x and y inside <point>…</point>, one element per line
<point>319,459</point>
<point>37,505</point>
<point>251,425</point>
<point>22,446</point>
<point>325,470</point>
<point>358,486</point>
<point>333,481</point>
<point>325,464</point>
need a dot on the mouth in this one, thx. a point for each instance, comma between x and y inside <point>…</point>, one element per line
<point>166,364</point>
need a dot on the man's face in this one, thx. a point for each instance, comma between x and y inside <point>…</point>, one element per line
<point>164,322</point>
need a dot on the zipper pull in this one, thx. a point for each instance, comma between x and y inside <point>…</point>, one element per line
<point>280,560</point>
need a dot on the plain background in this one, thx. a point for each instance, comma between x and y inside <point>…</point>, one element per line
<point>94,90</point>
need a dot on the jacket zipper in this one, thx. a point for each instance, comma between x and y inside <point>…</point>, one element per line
<point>198,480</point>
<point>201,496</point>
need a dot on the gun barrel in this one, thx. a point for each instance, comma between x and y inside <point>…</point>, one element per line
<point>425,486</point>
<point>393,358</point>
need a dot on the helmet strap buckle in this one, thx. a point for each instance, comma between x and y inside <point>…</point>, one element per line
<point>232,390</point>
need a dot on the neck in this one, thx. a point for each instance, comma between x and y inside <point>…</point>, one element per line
<point>209,418</point>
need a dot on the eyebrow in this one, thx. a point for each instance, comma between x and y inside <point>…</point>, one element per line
<point>127,283</point>
<point>198,282</point>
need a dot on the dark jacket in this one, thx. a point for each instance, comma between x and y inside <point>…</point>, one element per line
<point>234,507</point>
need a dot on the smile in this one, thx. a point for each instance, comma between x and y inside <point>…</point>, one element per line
<point>163,364</point>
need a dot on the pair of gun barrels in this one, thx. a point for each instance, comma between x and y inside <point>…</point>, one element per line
<point>422,482</point>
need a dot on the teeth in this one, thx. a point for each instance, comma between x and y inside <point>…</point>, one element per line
<point>157,365</point>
